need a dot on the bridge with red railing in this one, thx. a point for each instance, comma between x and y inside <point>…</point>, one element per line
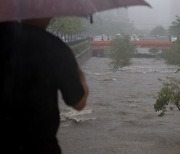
<point>101,45</point>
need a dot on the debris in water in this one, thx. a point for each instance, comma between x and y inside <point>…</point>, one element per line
<point>74,115</point>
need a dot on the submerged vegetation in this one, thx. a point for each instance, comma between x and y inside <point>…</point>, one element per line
<point>168,95</point>
<point>121,50</point>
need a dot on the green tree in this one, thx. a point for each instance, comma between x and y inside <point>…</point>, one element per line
<point>121,50</point>
<point>159,30</point>
<point>174,29</point>
<point>168,95</point>
<point>172,56</point>
<point>67,25</point>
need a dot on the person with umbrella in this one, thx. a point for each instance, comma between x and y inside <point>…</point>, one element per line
<point>34,65</point>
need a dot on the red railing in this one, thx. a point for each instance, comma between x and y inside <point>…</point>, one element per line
<point>96,45</point>
<point>154,43</point>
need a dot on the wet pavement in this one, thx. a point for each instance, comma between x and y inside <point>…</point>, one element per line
<point>119,117</point>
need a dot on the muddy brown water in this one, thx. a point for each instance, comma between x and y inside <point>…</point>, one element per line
<point>119,117</point>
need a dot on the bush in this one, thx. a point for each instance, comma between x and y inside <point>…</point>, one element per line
<point>172,56</point>
<point>168,95</point>
<point>121,50</point>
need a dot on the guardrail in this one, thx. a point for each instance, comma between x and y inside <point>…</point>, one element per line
<point>84,56</point>
<point>149,70</point>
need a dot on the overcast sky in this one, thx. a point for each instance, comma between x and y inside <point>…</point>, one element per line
<point>147,18</point>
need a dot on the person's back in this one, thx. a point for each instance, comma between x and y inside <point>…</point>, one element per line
<point>34,64</point>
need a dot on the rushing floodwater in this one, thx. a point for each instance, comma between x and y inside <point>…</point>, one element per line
<point>119,117</point>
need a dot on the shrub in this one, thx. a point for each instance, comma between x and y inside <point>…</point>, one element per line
<point>121,50</point>
<point>168,95</point>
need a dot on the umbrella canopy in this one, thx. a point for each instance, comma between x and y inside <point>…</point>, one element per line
<point>28,9</point>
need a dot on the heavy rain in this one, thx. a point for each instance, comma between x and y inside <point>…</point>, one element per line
<point>130,57</point>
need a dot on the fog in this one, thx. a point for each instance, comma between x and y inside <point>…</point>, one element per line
<point>161,13</point>
<point>136,19</point>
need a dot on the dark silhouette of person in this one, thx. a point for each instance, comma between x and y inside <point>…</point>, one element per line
<point>34,65</point>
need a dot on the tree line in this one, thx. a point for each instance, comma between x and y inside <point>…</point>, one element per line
<point>68,28</point>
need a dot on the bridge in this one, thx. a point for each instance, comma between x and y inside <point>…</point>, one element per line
<point>101,45</point>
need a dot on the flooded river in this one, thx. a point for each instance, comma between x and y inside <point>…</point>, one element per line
<point>119,117</point>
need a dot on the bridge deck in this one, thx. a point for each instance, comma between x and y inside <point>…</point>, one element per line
<point>147,44</point>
